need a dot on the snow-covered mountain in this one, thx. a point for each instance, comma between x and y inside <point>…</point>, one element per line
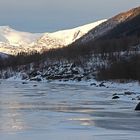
<point>13,42</point>
<point>16,38</point>
<point>66,37</point>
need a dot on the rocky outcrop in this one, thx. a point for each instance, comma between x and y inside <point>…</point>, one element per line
<point>128,94</point>
<point>52,71</point>
<point>64,72</point>
<point>115,97</point>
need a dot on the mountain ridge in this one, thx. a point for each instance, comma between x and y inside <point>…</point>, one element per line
<point>108,25</point>
<point>13,42</point>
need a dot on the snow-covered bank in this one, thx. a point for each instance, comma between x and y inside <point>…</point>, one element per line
<point>64,72</point>
<point>129,91</point>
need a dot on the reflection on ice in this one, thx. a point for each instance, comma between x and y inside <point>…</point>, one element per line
<point>11,119</point>
<point>84,121</point>
<point>59,112</point>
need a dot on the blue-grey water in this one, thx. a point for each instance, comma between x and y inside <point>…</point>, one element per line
<point>50,111</point>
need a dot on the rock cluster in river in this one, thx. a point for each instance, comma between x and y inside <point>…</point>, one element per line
<point>128,94</point>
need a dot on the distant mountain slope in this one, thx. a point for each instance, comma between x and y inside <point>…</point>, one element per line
<point>3,56</point>
<point>66,37</point>
<point>130,27</point>
<point>119,33</point>
<point>127,22</point>
<point>13,42</point>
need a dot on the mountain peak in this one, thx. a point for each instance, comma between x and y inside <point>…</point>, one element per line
<point>134,11</point>
<point>127,15</point>
<point>27,42</point>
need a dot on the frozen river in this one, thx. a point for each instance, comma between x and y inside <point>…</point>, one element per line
<point>50,111</point>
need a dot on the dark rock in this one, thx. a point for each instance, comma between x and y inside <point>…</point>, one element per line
<point>59,77</point>
<point>128,93</point>
<point>138,97</point>
<point>36,79</point>
<point>68,76</point>
<point>24,83</point>
<point>45,75</point>
<point>115,97</point>
<point>93,84</point>
<point>101,84</point>
<point>75,71</point>
<point>138,107</point>
<point>78,78</point>
<point>65,80</point>
<point>34,85</point>
<point>54,77</point>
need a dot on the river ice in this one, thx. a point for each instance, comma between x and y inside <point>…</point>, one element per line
<point>59,111</point>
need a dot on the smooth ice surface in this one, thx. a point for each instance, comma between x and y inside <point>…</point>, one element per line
<point>54,111</point>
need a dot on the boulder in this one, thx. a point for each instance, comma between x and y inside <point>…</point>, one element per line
<point>138,107</point>
<point>24,83</point>
<point>93,84</point>
<point>138,97</point>
<point>115,97</point>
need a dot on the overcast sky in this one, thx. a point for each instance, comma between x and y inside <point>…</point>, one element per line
<point>52,15</point>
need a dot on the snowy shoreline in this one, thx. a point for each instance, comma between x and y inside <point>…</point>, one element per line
<point>129,91</point>
<point>134,86</point>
